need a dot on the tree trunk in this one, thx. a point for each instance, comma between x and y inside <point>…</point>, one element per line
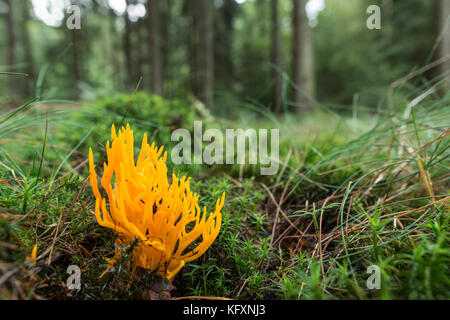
<point>302,55</point>
<point>388,28</point>
<point>141,54</point>
<point>75,35</point>
<point>27,47</point>
<point>263,23</point>
<point>443,11</point>
<point>10,59</point>
<point>154,46</point>
<point>75,59</point>
<point>276,58</point>
<point>165,42</point>
<point>203,73</point>
<point>115,49</point>
<point>223,40</point>
<point>127,48</point>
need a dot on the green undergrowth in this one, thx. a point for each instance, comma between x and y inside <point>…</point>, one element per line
<point>352,195</point>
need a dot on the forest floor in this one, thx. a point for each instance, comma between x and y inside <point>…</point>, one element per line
<point>355,197</point>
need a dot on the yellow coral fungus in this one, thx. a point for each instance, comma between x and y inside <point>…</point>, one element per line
<point>164,217</point>
<point>32,258</point>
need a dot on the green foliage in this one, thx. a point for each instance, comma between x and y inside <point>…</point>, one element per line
<point>424,272</point>
<point>241,251</point>
<point>333,188</point>
<point>146,113</point>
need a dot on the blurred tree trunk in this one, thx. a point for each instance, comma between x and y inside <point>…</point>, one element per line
<point>387,15</point>
<point>276,57</point>
<point>261,10</point>
<point>115,52</point>
<point>223,44</point>
<point>203,63</point>
<point>302,55</point>
<point>27,47</point>
<point>154,46</point>
<point>127,47</point>
<point>165,33</point>
<point>10,58</point>
<point>188,11</point>
<point>141,51</point>
<point>76,55</point>
<point>443,16</point>
<point>75,59</point>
